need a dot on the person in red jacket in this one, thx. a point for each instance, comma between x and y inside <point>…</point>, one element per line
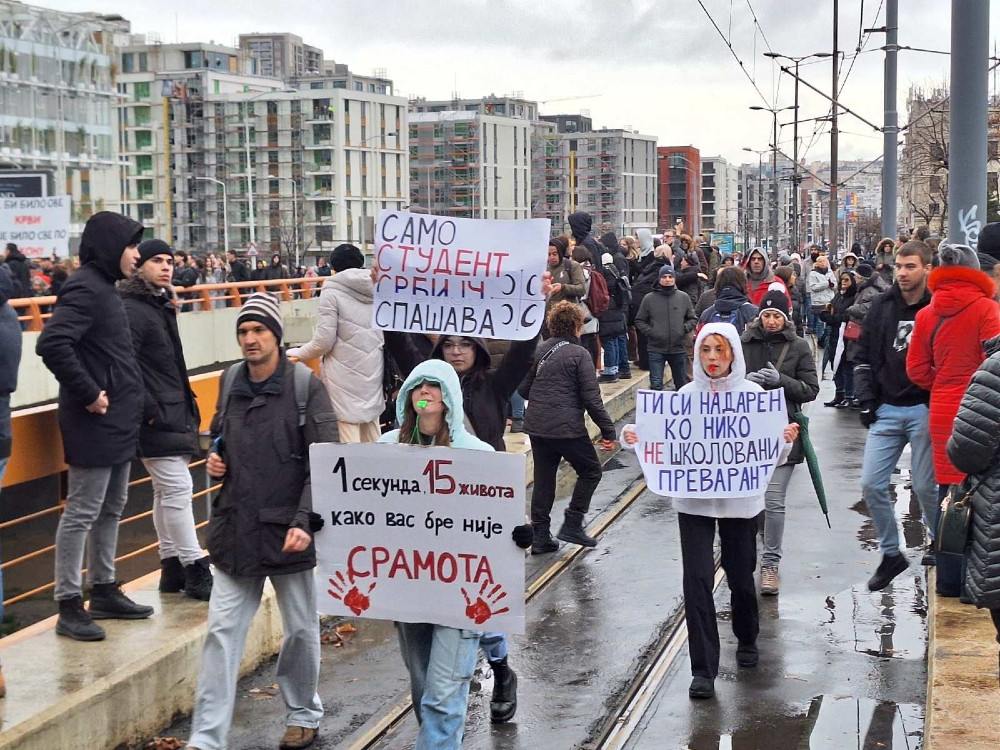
<point>759,275</point>
<point>945,352</point>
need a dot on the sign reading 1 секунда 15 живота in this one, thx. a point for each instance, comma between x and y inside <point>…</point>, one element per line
<point>468,277</point>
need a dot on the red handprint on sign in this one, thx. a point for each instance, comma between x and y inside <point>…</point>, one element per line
<point>481,610</point>
<point>354,600</point>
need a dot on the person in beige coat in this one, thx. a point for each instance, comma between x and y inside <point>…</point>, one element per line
<point>350,348</point>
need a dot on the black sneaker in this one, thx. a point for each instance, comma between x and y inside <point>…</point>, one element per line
<point>929,559</point>
<point>108,602</point>
<point>76,623</point>
<point>746,655</point>
<point>516,426</point>
<point>845,404</point>
<point>608,378</point>
<point>701,687</point>
<point>625,375</point>
<point>855,404</point>
<point>837,398</point>
<point>890,567</point>
<point>198,580</point>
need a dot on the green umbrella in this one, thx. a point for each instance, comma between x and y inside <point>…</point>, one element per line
<point>813,462</point>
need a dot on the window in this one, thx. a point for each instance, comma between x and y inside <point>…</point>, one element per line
<point>143,139</point>
<point>359,86</point>
<point>143,62</point>
<point>128,62</point>
<point>140,91</point>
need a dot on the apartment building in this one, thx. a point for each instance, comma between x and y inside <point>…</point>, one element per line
<point>58,101</point>
<point>498,106</point>
<point>283,56</point>
<point>679,177</point>
<point>610,174</point>
<point>466,163</point>
<point>720,206</point>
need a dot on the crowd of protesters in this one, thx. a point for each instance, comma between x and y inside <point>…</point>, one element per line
<point>904,326</point>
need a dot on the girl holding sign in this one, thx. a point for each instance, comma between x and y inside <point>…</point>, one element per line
<point>720,367</point>
<point>441,660</point>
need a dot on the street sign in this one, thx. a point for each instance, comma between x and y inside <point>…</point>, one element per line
<point>252,251</point>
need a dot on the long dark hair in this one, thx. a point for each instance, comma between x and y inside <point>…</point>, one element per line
<point>409,431</point>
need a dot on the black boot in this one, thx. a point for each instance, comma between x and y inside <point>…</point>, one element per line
<point>503,705</point>
<point>198,580</point>
<point>572,530</point>
<point>108,602</point>
<point>837,398</point>
<point>890,567</point>
<point>747,655</point>
<point>171,575</point>
<point>76,623</point>
<point>701,687</point>
<point>543,542</point>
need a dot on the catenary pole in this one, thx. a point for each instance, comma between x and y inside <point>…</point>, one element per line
<point>890,126</point>
<point>834,197</point>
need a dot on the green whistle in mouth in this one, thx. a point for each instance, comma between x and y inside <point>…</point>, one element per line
<point>422,404</point>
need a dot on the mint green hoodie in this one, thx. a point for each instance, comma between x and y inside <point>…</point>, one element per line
<point>440,372</point>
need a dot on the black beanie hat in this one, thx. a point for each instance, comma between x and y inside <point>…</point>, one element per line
<point>151,248</point>
<point>346,256</point>
<point>776,300</point>
<point>989,240</point>
<point>864,270</point>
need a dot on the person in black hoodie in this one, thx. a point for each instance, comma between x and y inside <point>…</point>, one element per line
<point>86,346</point>
<point>20,274</point>
<point>731,302</point>
<point>238,270</point>
<point>665,319</point>
<point>580,224</point>
<point>612,325</point>
<point>170,420</point>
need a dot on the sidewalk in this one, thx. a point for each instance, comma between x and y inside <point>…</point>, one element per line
<point>62,693</point>
<point>963,697</point>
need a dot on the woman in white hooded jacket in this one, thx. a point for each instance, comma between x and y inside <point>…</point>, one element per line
<point>351,349</point>
<point>719,367</point>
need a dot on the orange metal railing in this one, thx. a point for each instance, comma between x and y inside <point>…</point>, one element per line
<point>34,311</point>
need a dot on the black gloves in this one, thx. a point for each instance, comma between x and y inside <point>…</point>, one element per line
<point>523,535</point>
<point>316,522</point>
<point>868,415</point>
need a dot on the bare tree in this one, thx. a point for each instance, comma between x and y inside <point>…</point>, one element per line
<point>924,167</point>
<point>868,230</point>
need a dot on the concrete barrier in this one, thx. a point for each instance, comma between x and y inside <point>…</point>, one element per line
<point>63,694</point>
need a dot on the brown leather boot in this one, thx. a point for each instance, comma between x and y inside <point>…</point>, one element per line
<point>296,738</point>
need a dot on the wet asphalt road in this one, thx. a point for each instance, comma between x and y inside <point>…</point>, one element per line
<point>840,667</point>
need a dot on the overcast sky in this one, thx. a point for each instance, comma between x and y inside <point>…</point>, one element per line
<point>657,66</point>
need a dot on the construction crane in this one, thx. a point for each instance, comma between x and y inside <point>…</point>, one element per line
<point>569,98</point>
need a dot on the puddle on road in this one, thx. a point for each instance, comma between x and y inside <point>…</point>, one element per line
<point>907,512</point>
<point>827,723</point>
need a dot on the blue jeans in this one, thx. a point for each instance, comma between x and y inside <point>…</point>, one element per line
<point>843,379</point>
<point>516,406</point>
<point>895,427</point>
<point>678,369</point>
<point>615,354</point>
<point>441,662</point>
<point>494,646</point>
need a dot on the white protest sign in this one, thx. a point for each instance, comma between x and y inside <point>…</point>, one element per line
<point>38,226</point>
<point>701,444</point>
<point>420,534</point>
<point>470,277</point>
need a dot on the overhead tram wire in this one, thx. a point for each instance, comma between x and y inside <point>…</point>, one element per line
<point>733,52</point>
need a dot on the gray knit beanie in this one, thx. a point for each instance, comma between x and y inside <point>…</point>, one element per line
<point>958,255</point>
<point>262,307</point>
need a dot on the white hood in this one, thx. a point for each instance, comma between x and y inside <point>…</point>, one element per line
<point>736,379</point>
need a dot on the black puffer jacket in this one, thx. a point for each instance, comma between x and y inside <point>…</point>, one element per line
<point>170,418</point>
<point>559,389</point>
<point>580,224</point>
<point>267,488</point>
<point>20,274</point>
<point>973,449</point>
<point>665,318</point>
<point>797,368</point>
<point>485,390</point>
<point>610,244</point>
<point>86,346</point>
<point>614,320</point>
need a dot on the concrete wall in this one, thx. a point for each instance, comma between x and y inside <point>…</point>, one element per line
<point>209,338</point>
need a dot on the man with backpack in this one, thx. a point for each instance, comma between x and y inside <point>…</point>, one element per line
<point>666,317</point>
<point>269,412</point>
<point>612,327</point>
<point>732,305</point>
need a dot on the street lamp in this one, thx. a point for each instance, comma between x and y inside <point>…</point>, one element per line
<point>295,217</point>
<point>760,188</point>
<point>225,207</point>
<point>795,137</point>
<point>773,207</point>
<point>364,216</point>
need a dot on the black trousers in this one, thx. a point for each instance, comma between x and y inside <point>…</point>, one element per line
<point>580,454</point>
<point>739,558</point>
<point>589,342</point>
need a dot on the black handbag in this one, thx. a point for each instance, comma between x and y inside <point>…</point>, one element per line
<point>956,515</point>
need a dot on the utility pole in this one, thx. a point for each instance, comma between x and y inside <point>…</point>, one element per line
<point>795,166</point>
<point>970,51</point>
<point>773,204</point>
<point>834,198</point>
<point>890,127</point>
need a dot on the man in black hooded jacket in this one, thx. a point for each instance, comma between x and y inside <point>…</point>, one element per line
<point>20,274</point>
<point>580,224</point>
<point>87,347</point>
